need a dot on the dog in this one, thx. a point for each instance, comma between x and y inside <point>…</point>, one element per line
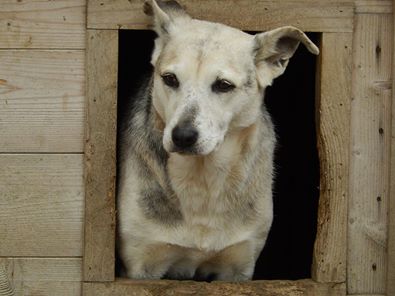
<point>196,153</point>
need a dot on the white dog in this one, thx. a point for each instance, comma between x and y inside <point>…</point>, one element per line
<point>196,165</point>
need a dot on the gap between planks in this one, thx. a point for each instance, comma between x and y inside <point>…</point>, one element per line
<point>39,48</point>
<point>41,257</point>
<point>40,153</point>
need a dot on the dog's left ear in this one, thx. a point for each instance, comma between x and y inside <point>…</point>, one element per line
<point>164,13</point>
<point>167,15</point>
<point>274,48</point>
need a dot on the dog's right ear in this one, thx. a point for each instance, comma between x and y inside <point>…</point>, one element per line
<point>165,14</point>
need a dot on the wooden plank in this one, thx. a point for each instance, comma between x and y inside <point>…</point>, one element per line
<point>334,96</point>
<point>373,6</point>
<point>41,100</point>
<point>167,288</point>
<point>366,295</point>
<point>44,276</point>
<point>41,205</point>
<point>100,155</point>
<point>42,24</point>
<point>370,155</point>
<point>309,15</point>
<point>391,211</point>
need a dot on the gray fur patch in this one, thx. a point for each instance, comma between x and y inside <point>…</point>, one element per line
<point>189,116</point>
<point>249,81</point>
<point>158,206</point>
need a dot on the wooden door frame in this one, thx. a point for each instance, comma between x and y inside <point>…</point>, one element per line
<point>334,20</point>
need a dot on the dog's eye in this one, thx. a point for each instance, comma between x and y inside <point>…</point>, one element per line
<point>170,80</point>
<point>222,85</point>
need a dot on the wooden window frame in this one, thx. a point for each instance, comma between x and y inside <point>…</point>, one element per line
<point>334,20</point>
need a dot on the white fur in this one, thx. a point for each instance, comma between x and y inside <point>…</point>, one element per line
<point>224,190</point>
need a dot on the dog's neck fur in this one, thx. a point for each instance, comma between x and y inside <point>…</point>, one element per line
<point>201,182</point>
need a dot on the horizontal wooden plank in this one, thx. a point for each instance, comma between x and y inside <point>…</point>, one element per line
<point>42,24</point>
<point>309,15</point>
<point>41,100</point>
<point>164,288</point>
<point>44,276</point>
<point>41,205</point>
<point>366,295</point>
<point>373,6</point>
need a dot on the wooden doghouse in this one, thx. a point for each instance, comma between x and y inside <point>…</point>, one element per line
<point>42,180</point>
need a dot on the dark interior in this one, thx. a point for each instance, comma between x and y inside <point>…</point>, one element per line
<point>291,103</point>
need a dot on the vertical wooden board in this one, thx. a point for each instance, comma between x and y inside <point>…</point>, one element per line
<point>333,117</point>
<point>42,24</point>
<point>100,155</point>
<point>370,154</point>
<point>41,100</point>
<point>44,276</point>
<point>391,212</point>
<point>41,205</point>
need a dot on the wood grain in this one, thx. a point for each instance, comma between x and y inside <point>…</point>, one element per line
<point>309,15</point>
<point>44,276</point>
<point>100,155</point>
<point>41,205</point>
<point>42,24</point>
<point>367,295</point>
<point>373,6</point>
<point>391,211</point>
<point>167,288</point>
<point>41,100</point>
<point>333,117</point>
<point>370,155</point>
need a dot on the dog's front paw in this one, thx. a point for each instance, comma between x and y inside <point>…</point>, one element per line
<point>144,274</point>
<point>228,273</point>
<point>139,270</point>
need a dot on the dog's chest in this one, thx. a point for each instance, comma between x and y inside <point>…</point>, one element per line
<point>200,186</point>
<point>209,216</point>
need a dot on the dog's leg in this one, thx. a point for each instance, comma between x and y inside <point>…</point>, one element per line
<point>183,269</point>
<point>235,263</point>
<point>150,261</point>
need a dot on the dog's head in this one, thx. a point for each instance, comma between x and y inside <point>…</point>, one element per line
<point>209,78</point>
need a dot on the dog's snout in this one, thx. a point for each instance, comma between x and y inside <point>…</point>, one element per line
<point>184,136</point>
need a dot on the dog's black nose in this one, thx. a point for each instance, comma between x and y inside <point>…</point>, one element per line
<point>184,136</point>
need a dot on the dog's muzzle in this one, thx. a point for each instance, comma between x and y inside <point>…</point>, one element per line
<point>184,137</point>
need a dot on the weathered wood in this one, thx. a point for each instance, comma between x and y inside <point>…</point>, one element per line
<point>41,100</point>
<point>100,155</point>
<point>366,295</point>
<point>164,288</point>
<point>333,120</point>
<point>370,155</point>
<point>44,276</point>
<point>373,6</point>
<point>309,15</point>
<point>391,210</point>
<point>41,205</point>
<point>42,24</point>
